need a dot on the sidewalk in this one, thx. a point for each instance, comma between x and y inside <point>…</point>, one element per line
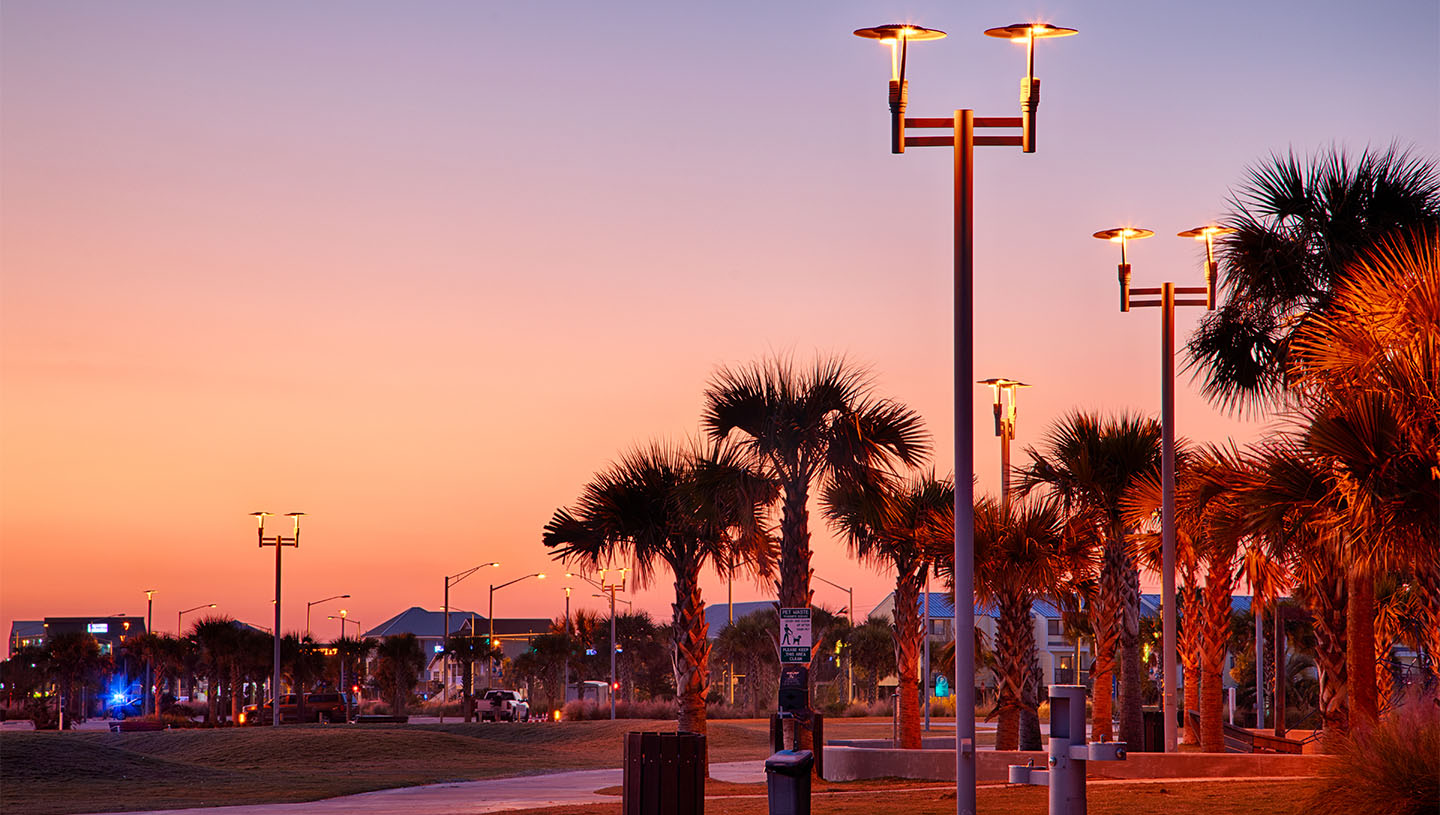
<point>473,797</point>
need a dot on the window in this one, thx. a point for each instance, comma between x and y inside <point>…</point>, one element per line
<point>1052,627</point>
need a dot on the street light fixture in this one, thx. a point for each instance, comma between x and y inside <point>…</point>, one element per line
<point>1167,303</point>
<point>279,542</point>
<point>149,661</point>
<point>609,587</point>
<point>849,663</point>
<point>179,626</point>
<point>963,141</point>
<point>344,689</point>
<point>1002,395</point>
<point>490,642</point>
<point>445,637</point>
<point>314,603</point>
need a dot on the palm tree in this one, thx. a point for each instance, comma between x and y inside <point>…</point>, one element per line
<point>469,650</point>
<point>1299,230</point>
<point>74,661</point>
<point>215,635</point>
<point>401,661</point>
<point>301,660</point>
<point>899,526</point>
<point>803,427</point>
<point>681,508</point>
<point>1023,551</point>
<point>1089,462</point>
<point>747,646</point>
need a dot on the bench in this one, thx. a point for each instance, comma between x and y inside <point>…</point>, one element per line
<point>1244,740</point>
<point>133,726</point>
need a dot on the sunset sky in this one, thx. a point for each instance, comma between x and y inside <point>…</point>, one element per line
<point>421,269</point>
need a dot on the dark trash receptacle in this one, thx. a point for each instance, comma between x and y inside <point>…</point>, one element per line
<point>664,773</point>
<point>1152,731</point>
<point>787,781</point>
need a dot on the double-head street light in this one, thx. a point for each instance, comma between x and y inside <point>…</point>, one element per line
<point>451,580</point>
<point>609,586</point>
<point>343,616</point>
<point>1002,395</point>
<point>279,542</point>
<point>490,642</point>
<point>1166,302</point>
<point>314,603</point>
<point>963,141</point>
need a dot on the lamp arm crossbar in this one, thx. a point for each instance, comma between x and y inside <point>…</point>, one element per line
<point>512,582</point>
<point>828,583</point>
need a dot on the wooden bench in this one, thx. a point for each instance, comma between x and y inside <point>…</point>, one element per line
<point>1244,740</point>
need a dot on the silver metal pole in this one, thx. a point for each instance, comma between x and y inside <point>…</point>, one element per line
<point>612,654</point>
<point>1167,510</point>
<point>445,655</point>
<point>964,464</point>
<point>1259,612</point>
<point>275,675</point>
<point>925,671</point>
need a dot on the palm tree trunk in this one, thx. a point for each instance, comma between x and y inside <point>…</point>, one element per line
<point>1190,653</point>
<point>212,697</point>
<point>794,588</point>
<point>1105,623</point>
<point>1219,582</point>
<point>235,691</point>
<point>1131,672</point>
<point>1360,646</point>
<point>908,633</point>
<point>692,650</point>
<point>1013,637</point>
<point>1030,699</point>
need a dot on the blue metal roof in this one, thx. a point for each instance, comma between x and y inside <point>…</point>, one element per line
<point>942,605</point>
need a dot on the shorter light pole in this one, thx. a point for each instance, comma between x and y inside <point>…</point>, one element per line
<point>451,580</point>
<point>312,604</point>
<point>609,587</point>
<point>565,689</point>
<point>149,661</point>
<point>849,662</point>
<point>179,618</point>
<point>490,643</point>
<point>1167,303</point>
<point>344,689</point>
<point>279,542</point>
<point>1002,395</point>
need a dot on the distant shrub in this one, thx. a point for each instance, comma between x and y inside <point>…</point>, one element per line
<point>375,707</point>
<point>1393,767</point>
<point>580,711</point>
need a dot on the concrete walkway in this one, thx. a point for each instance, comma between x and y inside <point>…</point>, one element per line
<point>473,797</point>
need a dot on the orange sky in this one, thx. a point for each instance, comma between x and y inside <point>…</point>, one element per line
<point>420,271</point>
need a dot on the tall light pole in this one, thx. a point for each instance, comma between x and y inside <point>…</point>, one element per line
<point>490,642</point>
<point>1002,395</point>
<point>1166,303</point>
<point>849,663</point>
<point>279,542</point>
<point>149,661</point>
<point>609,587</point>
<point>314,603</point>
<point>445,637</point>
<point>963,141</point>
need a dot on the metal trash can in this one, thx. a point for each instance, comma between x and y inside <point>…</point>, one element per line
<point>664,774</point>
<point>1152,730</point>
<point>787,782</point>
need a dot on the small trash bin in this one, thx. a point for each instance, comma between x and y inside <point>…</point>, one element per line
<point>664,774</point>
<point>787,781</point>
<point>1152,730</point>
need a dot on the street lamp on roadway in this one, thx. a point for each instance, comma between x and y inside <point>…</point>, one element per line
<point>312,604</point>
<point>849,663</point>
<point>1166,293</point>
<point>609,587</point>
<point>279,542</point>
<point>344,690</point>
<point>1002,395</point>
<point>445,636</point>
<point>490,642</point>
<point>963,141</point>
<point>179,628</point>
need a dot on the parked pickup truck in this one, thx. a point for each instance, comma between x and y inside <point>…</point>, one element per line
<point>502,706</point>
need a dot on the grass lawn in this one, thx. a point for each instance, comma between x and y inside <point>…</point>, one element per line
<point>62,773</point>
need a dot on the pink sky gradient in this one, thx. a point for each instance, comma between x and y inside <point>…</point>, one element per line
<point>421,269</point>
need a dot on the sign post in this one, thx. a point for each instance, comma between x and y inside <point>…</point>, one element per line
<point>795,639</point>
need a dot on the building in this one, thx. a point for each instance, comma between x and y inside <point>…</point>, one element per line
<point>24,633</point>
<point>110,632</point>
<point>513,635</point>
<point>717,615</point>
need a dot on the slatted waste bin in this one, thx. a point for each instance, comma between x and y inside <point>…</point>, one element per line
<point>664,774</point>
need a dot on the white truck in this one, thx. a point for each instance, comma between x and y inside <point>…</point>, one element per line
<point>498,705</point>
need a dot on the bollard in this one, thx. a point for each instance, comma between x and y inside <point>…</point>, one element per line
<point>1069,752</point>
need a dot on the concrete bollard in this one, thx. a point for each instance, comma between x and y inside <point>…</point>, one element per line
<point>1069,752</point>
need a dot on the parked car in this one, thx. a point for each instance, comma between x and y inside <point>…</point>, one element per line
<point>499,705</point>
<point>323,707</point>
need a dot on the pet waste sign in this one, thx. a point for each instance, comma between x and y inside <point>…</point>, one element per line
<point>795,635</point>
